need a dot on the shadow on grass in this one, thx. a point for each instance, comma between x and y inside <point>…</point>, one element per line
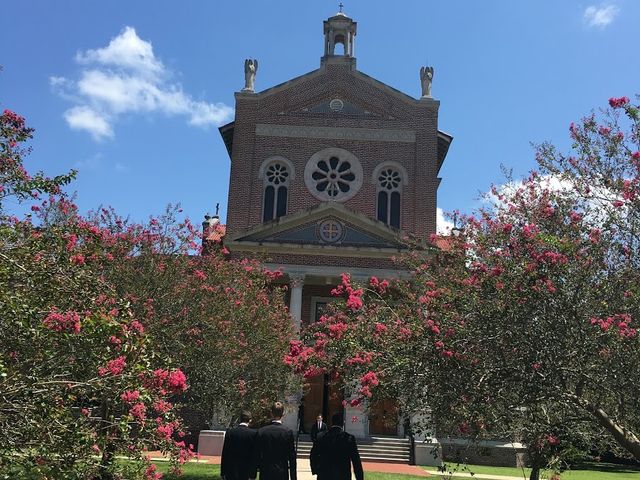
<point>607,467</point>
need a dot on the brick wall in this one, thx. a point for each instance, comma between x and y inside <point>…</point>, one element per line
<point>282,107</point>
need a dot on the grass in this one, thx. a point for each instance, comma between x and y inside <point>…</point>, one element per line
<point>594,471</point>
<point>597,471</point>
<point>192,471</point>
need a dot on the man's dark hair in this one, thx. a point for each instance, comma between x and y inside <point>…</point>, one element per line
<point>277,410</point>
<point>337,419</point>
<point>245,416</point>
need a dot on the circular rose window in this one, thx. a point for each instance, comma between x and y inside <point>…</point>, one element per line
<point>277,173</point>
<point>333,174</point>
<point>389,179</point>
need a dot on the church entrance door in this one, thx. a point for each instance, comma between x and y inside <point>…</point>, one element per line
<point>383,418</point>
<point>322,396</point>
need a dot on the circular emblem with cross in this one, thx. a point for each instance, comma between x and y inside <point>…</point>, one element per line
<point>330,231</point>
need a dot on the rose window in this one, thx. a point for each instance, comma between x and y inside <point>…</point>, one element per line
<point>333,174</point>
<point>389,179</point>
<point>277,174</point>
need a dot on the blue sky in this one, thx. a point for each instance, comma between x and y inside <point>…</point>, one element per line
<point>142,129</point>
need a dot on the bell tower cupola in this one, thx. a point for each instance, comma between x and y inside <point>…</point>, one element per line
<point>339,36</point>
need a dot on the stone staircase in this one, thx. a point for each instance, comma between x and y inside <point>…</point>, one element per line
<point>372,449</point>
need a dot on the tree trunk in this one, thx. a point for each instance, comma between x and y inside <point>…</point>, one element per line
<point>626,439</point>
<point>108,452</point>
<point>535,473</point>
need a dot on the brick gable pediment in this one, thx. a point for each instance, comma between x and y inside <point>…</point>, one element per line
<point>363,96</point>
<point>329,225</point>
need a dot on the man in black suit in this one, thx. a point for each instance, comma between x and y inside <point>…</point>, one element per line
<point>275,449</point>
<point>318,428</point>
<point>334,452</point>
<point>238,451</point>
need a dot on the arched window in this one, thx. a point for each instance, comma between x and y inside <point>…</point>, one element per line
<point>389,179</point>
<point>276,174</point>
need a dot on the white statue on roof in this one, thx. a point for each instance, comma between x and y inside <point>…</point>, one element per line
<point>250,70</point>
<point>426,78</point>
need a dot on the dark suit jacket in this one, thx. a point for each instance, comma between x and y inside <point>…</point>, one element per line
<point>276,453</point>
<point>332,456</point>
<point>238,454</point>
<point>315,431</point>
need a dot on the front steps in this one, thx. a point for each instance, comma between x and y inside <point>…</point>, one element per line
<point>372,449</point>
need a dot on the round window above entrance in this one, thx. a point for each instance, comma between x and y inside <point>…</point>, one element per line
<point>333,174</point>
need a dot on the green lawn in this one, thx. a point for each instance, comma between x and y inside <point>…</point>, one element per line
<point>596,471</point>
<point>193,471</point>
<point>601,471</point>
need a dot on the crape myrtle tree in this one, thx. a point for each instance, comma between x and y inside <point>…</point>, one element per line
<point>79,381</point>
<point>224,321</point>
<point>523,327</point>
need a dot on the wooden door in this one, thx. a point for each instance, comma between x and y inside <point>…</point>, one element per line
<point>383,418</point>
<point>313,396</point>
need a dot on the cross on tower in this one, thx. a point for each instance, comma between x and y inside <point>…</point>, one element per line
<point>340,5</point>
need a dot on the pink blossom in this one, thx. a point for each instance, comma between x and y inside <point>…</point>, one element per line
<point>77,259</point>
<point>594,235</point>
<point>137,326</point>
<point>361,358</point>
<point>114,367</point>
<point>618,102</point>
<point>369,379</point>
<point>617,203</point>
<point>71,241</point>
<point>165,430</point>
<point>177,381</point>
<point>67,322</point>
<point>161,406</point>
<point>130,396</point>
<point>151,474</point>
<point>552,440</point>
<point>337,330</point>
<point>354,302</point>
<point>138,411</point>
<point>380,328</point>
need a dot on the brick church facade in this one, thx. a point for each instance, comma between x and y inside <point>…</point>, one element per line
<point>330,172</point>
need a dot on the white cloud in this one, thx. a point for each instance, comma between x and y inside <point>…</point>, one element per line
<point>443,225</point>
<point>600,16</point>
<point>85,118</point>
<point>127,51</point>
<point>126,77</point>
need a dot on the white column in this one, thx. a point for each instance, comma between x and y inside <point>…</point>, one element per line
<point>295,304</point>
